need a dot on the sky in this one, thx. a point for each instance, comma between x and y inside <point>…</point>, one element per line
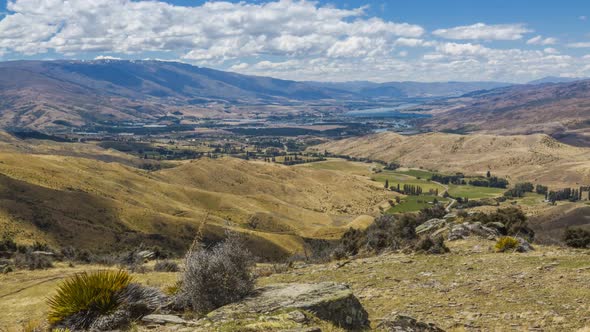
<point>373,40</point>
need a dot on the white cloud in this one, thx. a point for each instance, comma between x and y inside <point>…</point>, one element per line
<point>579,45</point>
<point>482,31</point>
<point>287,39</point>
<point>551,50</point>
<point>106,57</point>
<point>213,32</point>
<point>539,40</point>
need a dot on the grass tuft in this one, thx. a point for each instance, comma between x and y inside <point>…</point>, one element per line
<point>506,243</point>
<point>87,295</point>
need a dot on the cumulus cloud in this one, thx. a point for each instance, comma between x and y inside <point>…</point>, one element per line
<point>539,40</point>
<point>482,31</point>
<point>289,39</point>
<point>106,57</point>
<point>579,45</point>
<point>214,31</point>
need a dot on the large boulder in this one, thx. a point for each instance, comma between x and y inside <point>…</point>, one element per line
<point>401,323</point>
<point>465,229</point>
<point>328,301</point>
<point>431,226</point>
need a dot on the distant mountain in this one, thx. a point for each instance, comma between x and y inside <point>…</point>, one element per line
<point>409,89</point>
<point>555,79</point>
<point>60,94</point>
<point>561,110</point>
<point>42,94</point>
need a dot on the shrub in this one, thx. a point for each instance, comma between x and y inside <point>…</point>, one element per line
<point>432,245</point>
<point>217,276</point>
<point>514,221</point>
<point>7,244</point>
<point>386,232</point>
<point>32,261</point>
<point>166,266</point>
<point>577,238</point>
<point>506,243</point>
<point>86,296</point>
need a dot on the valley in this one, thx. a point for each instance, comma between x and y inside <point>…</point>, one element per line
<point>402,190</point>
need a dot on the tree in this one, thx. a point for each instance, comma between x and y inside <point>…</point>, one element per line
<point>488,174</point>
<point>386,184</point>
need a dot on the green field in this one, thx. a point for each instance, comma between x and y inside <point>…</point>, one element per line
<point>415,203</point>
<point>417,173</point>
<point>473,192</point>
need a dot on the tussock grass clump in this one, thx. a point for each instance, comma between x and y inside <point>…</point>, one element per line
<point>216,277</point>
<point>506,243</point>
<point>85,296</point>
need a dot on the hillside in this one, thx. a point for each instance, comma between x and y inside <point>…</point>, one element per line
<point>561,110</point>
<point>536,158</point>
<point>48,94</point>
<point>409,89</point>
<point>57,95</point>
<point>105,206</point>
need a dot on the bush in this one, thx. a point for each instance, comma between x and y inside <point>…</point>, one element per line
<point>577,238</point>
<point>32,261</point>
<point>506,243</point>
<point>386,232</point>
<point>166,266</point>
<point>86,296</point>
<point>7,244</point>
<point>430,245</point>
<point>514,221</point>
<point>216,277</point>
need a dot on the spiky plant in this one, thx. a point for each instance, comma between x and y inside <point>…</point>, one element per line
<point>506,243</point>
<point>85,296</point>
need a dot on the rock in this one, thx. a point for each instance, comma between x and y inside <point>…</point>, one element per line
<point>430,226</point>
<point>304,329</point>
<point>524,245</point>
<point>329,301</point>
<point>464,230</point>
<point>450,216</point>
<point>43,253</point>
<point>400,323</point>
<point>498,226</point>
<point>165,319</point>
<point>146,254</point>
<point>297,316</point>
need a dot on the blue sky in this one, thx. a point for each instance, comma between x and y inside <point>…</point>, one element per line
<point>421,40</point>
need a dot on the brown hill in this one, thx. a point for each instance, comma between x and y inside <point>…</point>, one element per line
<point>538,158</point>
<point>561,110</point>
<point>104,206</point>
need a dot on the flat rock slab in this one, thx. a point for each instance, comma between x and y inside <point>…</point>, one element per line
<point>326,300</point>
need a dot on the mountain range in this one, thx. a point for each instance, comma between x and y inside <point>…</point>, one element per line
<point>47,94</point>
<point>561,110</point>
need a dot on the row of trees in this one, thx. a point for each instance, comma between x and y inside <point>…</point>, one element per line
<point>458,178</point>
<point>492,181</point>
<point>570,194</point>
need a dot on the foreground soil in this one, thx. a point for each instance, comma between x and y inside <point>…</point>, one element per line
<point>469,289</point>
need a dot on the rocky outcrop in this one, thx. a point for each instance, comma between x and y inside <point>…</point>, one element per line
<point>328,301</point>
<point>431,226</point>
<point>400,323</point>
<point>464,230</point>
